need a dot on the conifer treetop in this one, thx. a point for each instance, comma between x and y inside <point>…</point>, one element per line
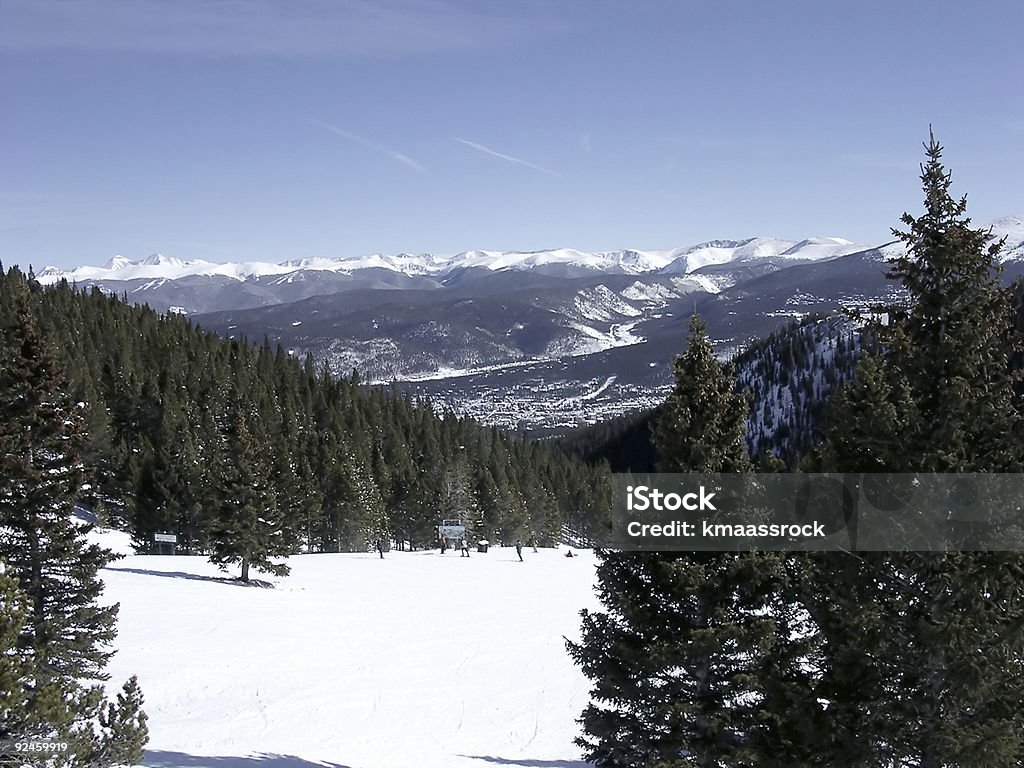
<point>948,348</point>
<point>703,426</point>
<point>942,247</point>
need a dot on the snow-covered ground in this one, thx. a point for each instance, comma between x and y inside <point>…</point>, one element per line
<point>420,659</point>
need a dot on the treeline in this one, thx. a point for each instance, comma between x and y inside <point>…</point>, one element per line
<point>180,422</point>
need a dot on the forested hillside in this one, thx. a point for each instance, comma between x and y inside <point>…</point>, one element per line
<point>787,379</point>
<point>187,431</point>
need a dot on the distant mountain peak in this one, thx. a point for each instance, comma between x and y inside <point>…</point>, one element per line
<point>717,244</point>
<point>159,260</point>
<point>118,262</point>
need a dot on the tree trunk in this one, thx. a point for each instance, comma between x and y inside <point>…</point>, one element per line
<point>245,569</point>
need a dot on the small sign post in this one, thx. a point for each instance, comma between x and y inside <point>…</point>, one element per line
<point>168,539</point>
<point>450,531</point>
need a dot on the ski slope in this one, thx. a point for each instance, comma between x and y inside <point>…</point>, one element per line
<point>420,659</point>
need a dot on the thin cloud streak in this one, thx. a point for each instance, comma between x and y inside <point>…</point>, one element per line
<point>393,154</point>
<point>493,153</point>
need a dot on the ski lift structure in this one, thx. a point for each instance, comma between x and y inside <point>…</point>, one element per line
<point>449,532</point>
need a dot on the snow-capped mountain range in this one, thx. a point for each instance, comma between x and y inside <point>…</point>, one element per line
<point>559,260</point>
<point>521,339</point>
<point>625,262</point>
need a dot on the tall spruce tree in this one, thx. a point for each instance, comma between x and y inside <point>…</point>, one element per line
<point>680,656</point>
<point>940,677</point>
<point>249,528</point>
<point>953,340</point>
<point>64,632</point>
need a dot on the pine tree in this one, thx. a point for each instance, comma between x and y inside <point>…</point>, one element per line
<point>690,666</point>
<point>249,528</point>
<point>938,680</point>
<point>63,630</point>
<point>953,341</point>
<point>702,425</point>
<point>869,419</point>
<point>124,725</point>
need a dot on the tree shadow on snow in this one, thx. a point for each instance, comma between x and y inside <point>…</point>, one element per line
<point>195,577</point>
<point>161,759</point>
<point>528,763</point>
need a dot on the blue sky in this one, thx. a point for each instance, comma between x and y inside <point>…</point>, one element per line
<point>271,130</point>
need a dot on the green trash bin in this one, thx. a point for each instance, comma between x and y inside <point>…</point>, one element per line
<point>481,546</point>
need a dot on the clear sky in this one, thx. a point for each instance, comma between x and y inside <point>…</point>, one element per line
<point>271,129</point>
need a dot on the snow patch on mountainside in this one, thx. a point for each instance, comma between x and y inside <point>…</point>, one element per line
<point>817,248</point>
<point>618,335</point>
<point>602,304</point>
<point>651,294</point>
<point>1012,228</point>
<point>707,283</point>
<point>721,252</point>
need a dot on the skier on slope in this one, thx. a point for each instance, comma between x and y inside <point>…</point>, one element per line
<point>519,550</point>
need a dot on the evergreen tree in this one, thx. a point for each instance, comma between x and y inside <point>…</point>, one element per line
<point>124,727</point>
<point>869,419</point>
<point>684,658</point>
<point>953,340</point>
<point>41,433</point>
<point>701,427</point>
<point>938,680</point>
<point>62,629</point>
<point>249,528</point>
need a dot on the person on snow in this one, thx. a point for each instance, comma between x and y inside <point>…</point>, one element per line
<point>519,550</point>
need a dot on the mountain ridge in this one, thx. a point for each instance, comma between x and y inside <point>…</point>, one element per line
<point>622,261</point>
<point>569,262</point>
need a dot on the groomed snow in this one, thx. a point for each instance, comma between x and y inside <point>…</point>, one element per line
<point>420,659</point>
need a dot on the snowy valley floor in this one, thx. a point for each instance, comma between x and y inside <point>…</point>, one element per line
<point>418,660</point>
